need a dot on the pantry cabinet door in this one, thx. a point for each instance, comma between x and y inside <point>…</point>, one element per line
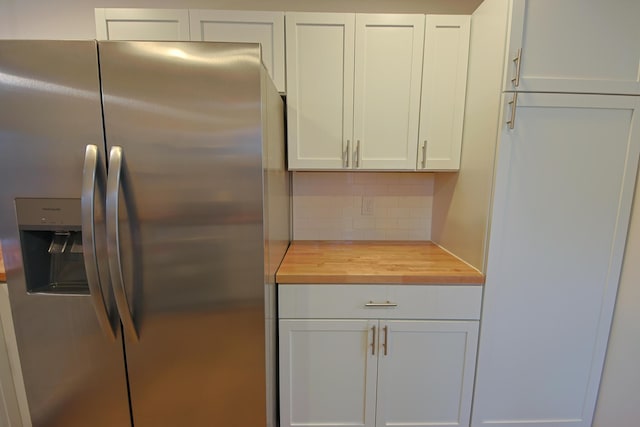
<point>425,373</point>
<point>266,28</point>
<point>142,24</point>
<point>320,55</point>
<point>328,373</point>
<point>578,46</point>
<point>444,85</point>
<point>563,191</point>
<point>388,70</point>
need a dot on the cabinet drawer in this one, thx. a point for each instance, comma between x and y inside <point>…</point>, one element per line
<point>385,302</point>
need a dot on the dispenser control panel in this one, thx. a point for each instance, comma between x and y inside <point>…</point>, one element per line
<point>34,214</point>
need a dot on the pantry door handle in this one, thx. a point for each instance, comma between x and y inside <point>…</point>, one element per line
<point>94,175</point>
<point>514,103</point>
<point>518,61</point>
<point>381,304</point>
<point>356,159</point>
<point>424,154</point>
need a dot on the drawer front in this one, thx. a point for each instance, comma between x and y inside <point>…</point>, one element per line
<point>379,302</point>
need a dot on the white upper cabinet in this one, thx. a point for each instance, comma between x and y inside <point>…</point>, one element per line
<point>388,71</point>
<point>142,24</point>
<point>320,89</point>
<point>577,46</point>
<point>266,28</point>
<point>444,83</point>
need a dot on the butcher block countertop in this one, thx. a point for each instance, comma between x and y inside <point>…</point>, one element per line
<point>3,276</point>
<point>362,262</point>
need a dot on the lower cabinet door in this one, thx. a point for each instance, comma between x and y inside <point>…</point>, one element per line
<point>328,372</point>
<point>425,373</point>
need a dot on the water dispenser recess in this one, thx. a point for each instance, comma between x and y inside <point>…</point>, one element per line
<point>51,242</point>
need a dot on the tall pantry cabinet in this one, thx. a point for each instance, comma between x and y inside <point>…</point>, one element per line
<point>566,166</point>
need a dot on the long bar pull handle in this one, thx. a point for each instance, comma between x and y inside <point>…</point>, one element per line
<point>93,174</point>
<point>424,154</point>
<point>113,241</point>
<point>357,155</point>
<point>347,154</point>
<point>385,345</point>
<point>381,304</point>
<point>517,60</point>
<point>514,103</point>
<point>373,340</point>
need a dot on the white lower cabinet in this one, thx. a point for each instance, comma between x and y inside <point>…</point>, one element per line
<point>376,372</point>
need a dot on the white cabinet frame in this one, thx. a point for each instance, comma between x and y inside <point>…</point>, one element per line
<point>159,24</point>
<point>266,28</point>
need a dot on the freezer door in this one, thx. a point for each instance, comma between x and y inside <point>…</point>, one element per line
<point>72,364</point>
<point>183,126</point>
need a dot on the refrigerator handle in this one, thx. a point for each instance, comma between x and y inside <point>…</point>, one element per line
<point>113,241</point>
<point>91,173</point>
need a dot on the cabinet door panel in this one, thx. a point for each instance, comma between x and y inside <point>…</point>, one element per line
<point>426,376</point>
<point>327,373</point>
<point>581,46</point>
<point>319,89</point>
<point>564,184</point>
<point>266,28</point>
<point>444,83</point>
<point>388,74</point>
<point>142,24</point>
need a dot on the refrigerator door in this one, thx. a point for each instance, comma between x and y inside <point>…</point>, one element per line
<point>71,354</point>
<point>183,126</point>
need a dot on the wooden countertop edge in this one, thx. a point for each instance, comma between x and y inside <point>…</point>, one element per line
<point>468,275</point>
<point>291,279</point>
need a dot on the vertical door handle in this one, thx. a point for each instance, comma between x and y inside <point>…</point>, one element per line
<point>93,174</point>
<point>347,154</point>
<point>373,340</point>
<point>113,241</point>
<point>513,103</point>
<point>517,60</point>
<point>424,154</point>
<point>356,161</point>
<point>385,345</point>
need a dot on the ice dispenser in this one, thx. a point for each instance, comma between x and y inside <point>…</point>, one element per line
<point>51,242</point>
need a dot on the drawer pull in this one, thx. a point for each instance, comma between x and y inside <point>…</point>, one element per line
<point>381,304</point>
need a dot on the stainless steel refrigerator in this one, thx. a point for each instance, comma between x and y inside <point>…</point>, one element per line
<point>144,209</point>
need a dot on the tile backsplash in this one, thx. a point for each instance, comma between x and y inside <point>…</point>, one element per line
<point>362,205</point>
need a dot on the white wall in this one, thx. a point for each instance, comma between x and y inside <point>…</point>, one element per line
<point>462,200</point>
<point>328,205</point>
<point>74,19</point>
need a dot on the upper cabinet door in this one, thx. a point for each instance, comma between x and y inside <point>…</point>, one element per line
<point>142,24</point>
<point>387,90</point>
<point>266,28</point>
<point>320,89</point>
<point>444,85</point>
<point>577,46</point>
